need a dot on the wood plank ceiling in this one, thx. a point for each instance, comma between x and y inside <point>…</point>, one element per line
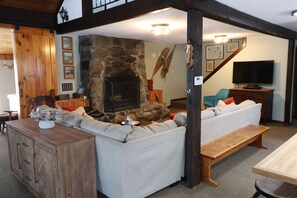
<point>5,43</point>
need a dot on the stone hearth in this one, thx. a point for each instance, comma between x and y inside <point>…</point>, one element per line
<point>102,57</point>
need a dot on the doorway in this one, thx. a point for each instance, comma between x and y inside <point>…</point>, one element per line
<point>8,97</point>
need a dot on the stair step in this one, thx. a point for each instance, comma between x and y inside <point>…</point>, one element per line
<point>179,103</point>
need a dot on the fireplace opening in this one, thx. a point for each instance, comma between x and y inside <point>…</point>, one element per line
<point>121,93</point>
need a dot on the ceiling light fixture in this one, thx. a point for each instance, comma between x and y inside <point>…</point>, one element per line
<point>160,29</point>
<point>294,13</point>
<point>221,39</point>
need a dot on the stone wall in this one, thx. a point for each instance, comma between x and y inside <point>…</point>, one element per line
<point>103,56</point>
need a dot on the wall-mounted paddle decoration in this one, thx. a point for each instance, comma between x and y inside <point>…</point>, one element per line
<point>161,60</point>
<point>167,63</point>
<point>164,61</point>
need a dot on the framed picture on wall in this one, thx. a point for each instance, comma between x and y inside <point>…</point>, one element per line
<point>69,72</point>
<point>209,66</point>
<point>67,57</point>
<point>214,52</point>
<point>67,43</point>
<point>232,46</point>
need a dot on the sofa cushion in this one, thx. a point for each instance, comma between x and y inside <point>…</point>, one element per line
<point>113,131</point>
<point>221,103</point>
<point>228,100</point>
<point>219,110</point>
<point>157,127</point>
<point>208,113</point>
<point>180,119</point>
<point>79,111</point>
<point>139,132</point>
<point>246,103</point>
<point>69,108</point>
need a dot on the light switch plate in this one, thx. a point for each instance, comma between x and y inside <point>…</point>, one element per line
<point>198,80</point>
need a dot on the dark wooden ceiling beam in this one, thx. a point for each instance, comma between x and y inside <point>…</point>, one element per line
<point>220,12</point>
<point>116,14</point>
<point>18,16</point>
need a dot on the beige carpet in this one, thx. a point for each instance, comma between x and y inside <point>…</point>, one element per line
<point>234,174</point>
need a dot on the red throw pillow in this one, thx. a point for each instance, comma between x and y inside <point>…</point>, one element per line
<point>69,108</point>
<point>228,100</point>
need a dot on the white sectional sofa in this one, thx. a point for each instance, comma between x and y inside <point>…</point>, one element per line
<point>219,121</point>
<point>133,161</point>
<point>144,164</point>
<point>152,156</point>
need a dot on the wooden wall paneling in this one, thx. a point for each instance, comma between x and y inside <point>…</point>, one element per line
<point>53,65</point>
<point>36,65</point>
<point>20,54</point>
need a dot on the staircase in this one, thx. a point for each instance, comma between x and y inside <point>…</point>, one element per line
<point>179,104</point>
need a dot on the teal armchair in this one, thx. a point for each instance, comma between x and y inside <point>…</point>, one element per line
<point>212,101</point>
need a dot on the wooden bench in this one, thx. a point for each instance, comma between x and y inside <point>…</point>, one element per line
<point>224,146</point>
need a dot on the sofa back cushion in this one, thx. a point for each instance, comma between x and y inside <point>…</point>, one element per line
<point>246,103</point>
<point>219,110</point>
<point>158,127</point>
<point>113,131</point>
<point>139,132</point>
<point>207,113</point>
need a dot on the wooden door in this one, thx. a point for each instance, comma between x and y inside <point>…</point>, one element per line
<point>36,64</point>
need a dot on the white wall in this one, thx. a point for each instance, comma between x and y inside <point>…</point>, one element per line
<point>261,47</point>
<point>176,79</point>
<point>60,69</point>
<point>7,82</point>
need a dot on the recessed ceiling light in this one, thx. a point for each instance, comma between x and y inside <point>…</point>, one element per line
<point>221,39</point>
<point>294,13</point>
<point>160,29</point>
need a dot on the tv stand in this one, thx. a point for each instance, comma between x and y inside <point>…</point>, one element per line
<point>252,86</point>
<point>264,96</point>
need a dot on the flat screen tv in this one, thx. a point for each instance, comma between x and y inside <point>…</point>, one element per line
<point>253,72</point>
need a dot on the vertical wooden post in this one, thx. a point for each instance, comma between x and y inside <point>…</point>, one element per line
<point>193,162</point>
<point>87,7</point>
<point>290,82</point>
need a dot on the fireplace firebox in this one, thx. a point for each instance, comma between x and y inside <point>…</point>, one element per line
<point>121,93</point>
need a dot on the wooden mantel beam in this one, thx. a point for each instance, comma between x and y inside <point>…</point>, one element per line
<point>116,14</point>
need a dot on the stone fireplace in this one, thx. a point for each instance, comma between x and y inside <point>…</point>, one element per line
<point>108,62</point>
<point>121,93</point>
